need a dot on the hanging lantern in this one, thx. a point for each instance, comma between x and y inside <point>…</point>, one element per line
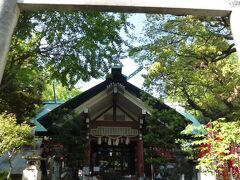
<point>99,140</point>
<point>127,141</point>
<point>105,140</point>
<point>117,142</point>
<point>109,142</point>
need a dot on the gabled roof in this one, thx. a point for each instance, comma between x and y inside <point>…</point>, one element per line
<point>115,77</point>
<point>48,106</point>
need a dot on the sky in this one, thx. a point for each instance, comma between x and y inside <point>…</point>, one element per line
<point>128,67</point>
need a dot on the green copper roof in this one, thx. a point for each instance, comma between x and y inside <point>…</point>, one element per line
<point>197,126</point>
<point>47,107</point>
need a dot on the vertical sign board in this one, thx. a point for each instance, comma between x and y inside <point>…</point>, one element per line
<point>86,171</point>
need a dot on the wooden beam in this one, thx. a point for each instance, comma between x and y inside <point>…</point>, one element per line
<point>132,124</point>
<point>177,7</point>
<point>9,12</point>
<point>101,113</point>
<point>114,106</point>
<point>129,115</point>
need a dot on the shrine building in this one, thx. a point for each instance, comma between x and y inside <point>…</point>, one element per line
<point>114,116</point>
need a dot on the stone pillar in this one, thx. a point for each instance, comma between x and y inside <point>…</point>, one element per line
<point>56,174</point>
<point>140,160</point>
<point>9,13</point>
<point>32,171</point>
<point>235,26</point>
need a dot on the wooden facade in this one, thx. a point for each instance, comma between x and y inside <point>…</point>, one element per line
<point>114,118</point>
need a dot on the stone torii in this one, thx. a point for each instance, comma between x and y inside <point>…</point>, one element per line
<point>10,9</point>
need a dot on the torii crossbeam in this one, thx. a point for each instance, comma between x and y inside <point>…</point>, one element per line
<point>9,12</point>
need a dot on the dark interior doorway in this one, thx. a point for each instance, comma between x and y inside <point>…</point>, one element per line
<point>114,161</point>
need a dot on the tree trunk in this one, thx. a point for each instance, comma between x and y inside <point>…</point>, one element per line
<point>10,157</point>
<point>10,171</point>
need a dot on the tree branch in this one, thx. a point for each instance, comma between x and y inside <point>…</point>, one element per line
<point>225,53</point>
<point>193,104</point>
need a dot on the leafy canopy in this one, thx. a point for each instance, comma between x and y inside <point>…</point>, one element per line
<point>68,130</point>
<point>218,146</point>
<point>191,61</point>
<point>69,46</point>
<point>13,135</point>
<point>66,46</point>
<point>62,92</point>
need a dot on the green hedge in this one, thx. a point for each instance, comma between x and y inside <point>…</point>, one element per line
<point>3,175</point>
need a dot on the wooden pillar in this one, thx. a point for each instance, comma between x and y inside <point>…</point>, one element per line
<point>87,158</point>
<point>87,153</point>
<point>140,160</point>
